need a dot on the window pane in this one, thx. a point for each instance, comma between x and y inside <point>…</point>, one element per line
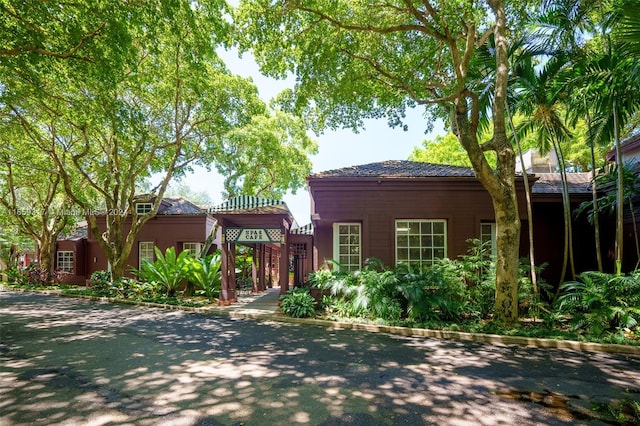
<point>347,246</point>
<point>64,261</point>
<point>425,243</point>
<point>438,228</point>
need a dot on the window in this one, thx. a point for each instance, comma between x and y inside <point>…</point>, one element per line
<point>145,252</point>
<point>488,236</point>
<point>64,261</point>
<point>144,208</point>
<point>346,245</point>
<point>419,243</point>
<point>194,248</point>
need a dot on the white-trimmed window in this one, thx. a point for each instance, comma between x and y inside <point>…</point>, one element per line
<point>144,208</point>
<point>488,236</point>
<point>346,246</point>
<point>194,248</point>
<point>145,252</point>
<point>64,261</point>
<point>419,243</point>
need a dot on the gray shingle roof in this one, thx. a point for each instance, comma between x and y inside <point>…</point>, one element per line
<point>79,232</point>
<point>397,168</point>
<point>178,206</point>
<point>551,183</point>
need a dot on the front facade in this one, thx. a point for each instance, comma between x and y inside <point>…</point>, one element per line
<point>400,212</point>
<point>404,212</point>
<point>178,223</point>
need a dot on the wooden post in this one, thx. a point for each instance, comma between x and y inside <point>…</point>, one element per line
<point>284,265</point>
<point>270,282</point>
<point>261,271</point>
<point>224,266</point>
<point>254,270</point>
<point>233,296</point>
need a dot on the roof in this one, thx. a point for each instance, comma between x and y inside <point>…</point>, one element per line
<point>551,183</point>
<point>303,230</point>
<point>171,206</point>
<point>79,232</point>
<point>247,204</point>
<point>627,145</point>
<point>397,169</point>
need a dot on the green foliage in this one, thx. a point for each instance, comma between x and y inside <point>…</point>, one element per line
<point>298,303</point>
<point>449,291</point>
<point>167,270</point>
<point>205,273</point>
<point>442,150</point>
<point>600,302</point>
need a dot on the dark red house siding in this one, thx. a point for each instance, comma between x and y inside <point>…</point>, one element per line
<point>171,230</point>
<point>377,203</point>
<point>163,230</point>
<point>77,276</point>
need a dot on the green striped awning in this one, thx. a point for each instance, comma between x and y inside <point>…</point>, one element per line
<point>245,203</point>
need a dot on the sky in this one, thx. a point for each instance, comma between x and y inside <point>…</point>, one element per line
<point>336,149</point>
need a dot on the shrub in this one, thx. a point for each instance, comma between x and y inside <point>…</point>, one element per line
<point>298,303</point>
<point>205,273</point>
<point>599,302</point>
<point>167,271</point>
<point>34,274</point>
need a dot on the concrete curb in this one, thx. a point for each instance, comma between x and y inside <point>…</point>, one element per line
<point>239,312</point>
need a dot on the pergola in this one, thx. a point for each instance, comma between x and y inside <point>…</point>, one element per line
<point>263,225</point>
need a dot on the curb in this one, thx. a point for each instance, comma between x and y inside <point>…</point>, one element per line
<point>495,339</point>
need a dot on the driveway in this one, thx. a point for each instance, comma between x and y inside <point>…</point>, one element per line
<point>75,362</point>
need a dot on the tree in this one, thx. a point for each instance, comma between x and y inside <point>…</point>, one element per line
<point>362,59</point>
<point>179,189</point>
<point>166,107</point>
<point>443,150</point>
<point>539,102</point>
<point>63,30</point>
<point>32,197</point>
<point>609,82</point>
<point>266,157</point>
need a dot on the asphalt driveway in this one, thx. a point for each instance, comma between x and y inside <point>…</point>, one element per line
<point>75,362</point>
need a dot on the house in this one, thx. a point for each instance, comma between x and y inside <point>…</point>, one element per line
<point>630,149</point>
<point>396,211</point>
<point>178,223</point>
<point>536,162</point>
<point>414,213</point>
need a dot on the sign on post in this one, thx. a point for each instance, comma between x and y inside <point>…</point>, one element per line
<point>252,235</point>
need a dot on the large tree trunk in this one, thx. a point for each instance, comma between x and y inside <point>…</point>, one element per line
<point>46,248</point>
<point>500,183</point>
<point>508,244</point>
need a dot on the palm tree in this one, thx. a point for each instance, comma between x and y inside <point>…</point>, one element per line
<point>604,75</point>
<point>540,102</point>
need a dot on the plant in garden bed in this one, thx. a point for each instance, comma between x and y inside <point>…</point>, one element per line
<point>602,303</point>
<point>205,273</point>
<point>298,303</point>
<point>168,270</point>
